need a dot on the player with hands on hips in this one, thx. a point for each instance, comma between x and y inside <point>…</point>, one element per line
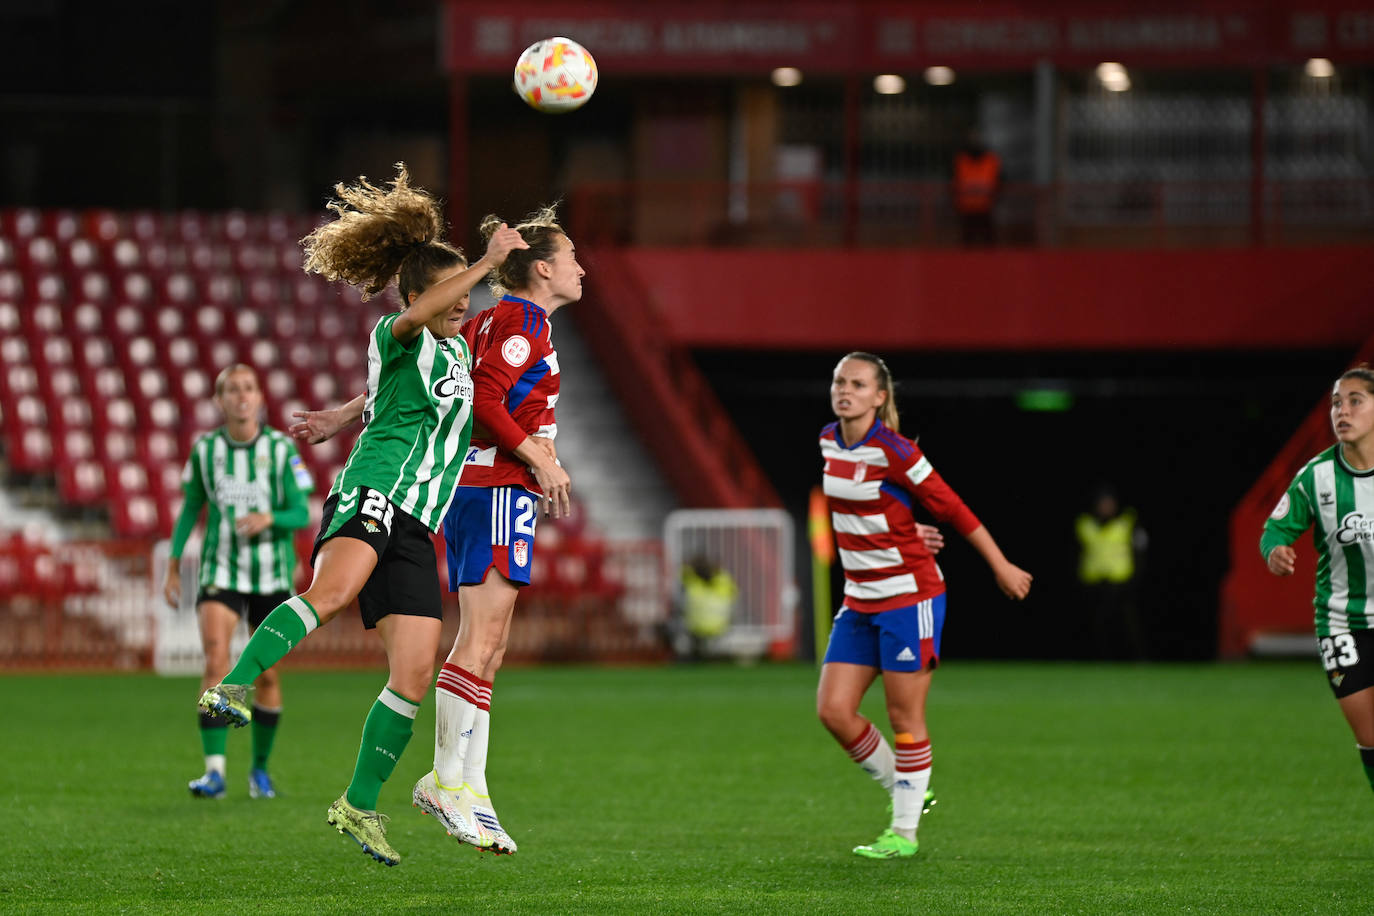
<point>1333,494</point>
<point>894,593</point>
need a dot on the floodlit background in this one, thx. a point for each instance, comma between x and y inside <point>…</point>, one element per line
<point>1176,270</point>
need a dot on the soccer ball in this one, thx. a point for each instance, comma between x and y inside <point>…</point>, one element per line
<point>555,75</point>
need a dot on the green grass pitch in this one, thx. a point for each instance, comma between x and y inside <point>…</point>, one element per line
<point>1062,789</point>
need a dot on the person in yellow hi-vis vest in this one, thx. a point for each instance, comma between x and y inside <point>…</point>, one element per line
<point>708,600</point>
<point>1111,548</point>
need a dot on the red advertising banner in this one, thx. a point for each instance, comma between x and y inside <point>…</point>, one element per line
<point>875,36</point>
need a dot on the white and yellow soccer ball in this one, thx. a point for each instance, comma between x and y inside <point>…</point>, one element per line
<point>555,75</point>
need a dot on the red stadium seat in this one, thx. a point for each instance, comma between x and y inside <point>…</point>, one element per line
<point>181,353</point>
<point>145,225</point>
<point>164,414</point>
<point>92,285</point>
<point>74,445</point>
<point>88,319</point>
<point>11,285</point>
<point>82,254</point>
<point>81,482</point>
<point>223,290</point>
<point>20,223</point>
<point>11,318</point>
<point>139,516</point>
<point>105,225</point>
<point>62,225</point>
<point>38,253</point>
<point>7,255</point>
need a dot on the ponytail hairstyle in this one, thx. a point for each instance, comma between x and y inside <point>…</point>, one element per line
<point>380,233</point>
<point>887,411</point>
<point>1361,372</point>
<point>540,230</point>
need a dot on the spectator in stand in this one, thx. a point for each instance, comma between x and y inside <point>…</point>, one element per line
<point>977,185</point>
<point>253,485</point>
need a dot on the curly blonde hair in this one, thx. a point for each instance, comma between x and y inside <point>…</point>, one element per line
<point>540,230</point>
<point>379,233</point>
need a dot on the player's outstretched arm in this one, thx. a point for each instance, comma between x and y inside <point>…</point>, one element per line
<point>315,426</point>
<point>1014,581</point>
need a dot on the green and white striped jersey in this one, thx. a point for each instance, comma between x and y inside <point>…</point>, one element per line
<point>418,420</point>
<point>234,479</point>
<point>1337,502</point>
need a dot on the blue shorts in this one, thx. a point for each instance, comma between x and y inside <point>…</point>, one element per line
<point>490,527</point>
<point>902,639</point>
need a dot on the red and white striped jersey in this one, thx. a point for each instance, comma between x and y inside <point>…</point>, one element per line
<point>869,487</point>
<point>515,387</point>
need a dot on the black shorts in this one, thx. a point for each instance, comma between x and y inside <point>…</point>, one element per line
<point>406,578</point>
<point>256,607</point>
<point>1349,661</point>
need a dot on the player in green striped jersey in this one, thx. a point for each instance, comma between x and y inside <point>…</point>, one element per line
<point>253,485</point>
<point>1334,496</point>
<point>375,537</point>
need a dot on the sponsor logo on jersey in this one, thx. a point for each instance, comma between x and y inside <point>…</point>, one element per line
<point>521,552</point>
<point>457,383</point>
<point>1356,526</point>
<point>1281,509</point>
<point>906,655</point>
<point>1326,498</point>
<point>516,350</point>
<point>241,495</point>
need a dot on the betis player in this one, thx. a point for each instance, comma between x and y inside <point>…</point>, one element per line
<point>1334,496</point>
<point>894,593</point>
<point>253,485</point>
<point>375,541</point>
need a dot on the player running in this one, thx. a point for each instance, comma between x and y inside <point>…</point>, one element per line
<point>253,486</point>
<point>1333,494</point>
<point>374,540</point>
<point>894,604</point>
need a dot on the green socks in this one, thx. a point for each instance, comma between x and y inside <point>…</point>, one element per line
<point>214,735</point>
<point>385,736</point>
<point>264,733</point>
<point>286,626</point>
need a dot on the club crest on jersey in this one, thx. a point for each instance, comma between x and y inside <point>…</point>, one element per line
<point>516,350</point>
<point>1281,509</point>
<point>371,526</point>
<point>520,552</point>
<point>860,472</point>
<point>1337,677</point>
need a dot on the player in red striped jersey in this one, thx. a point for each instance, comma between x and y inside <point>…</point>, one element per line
<point>894,593</point>
<point>510,469</point>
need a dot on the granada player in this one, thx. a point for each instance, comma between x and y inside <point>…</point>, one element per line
<point>510,470</point>
<point>894,593</point>
<point>1333,495</point>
